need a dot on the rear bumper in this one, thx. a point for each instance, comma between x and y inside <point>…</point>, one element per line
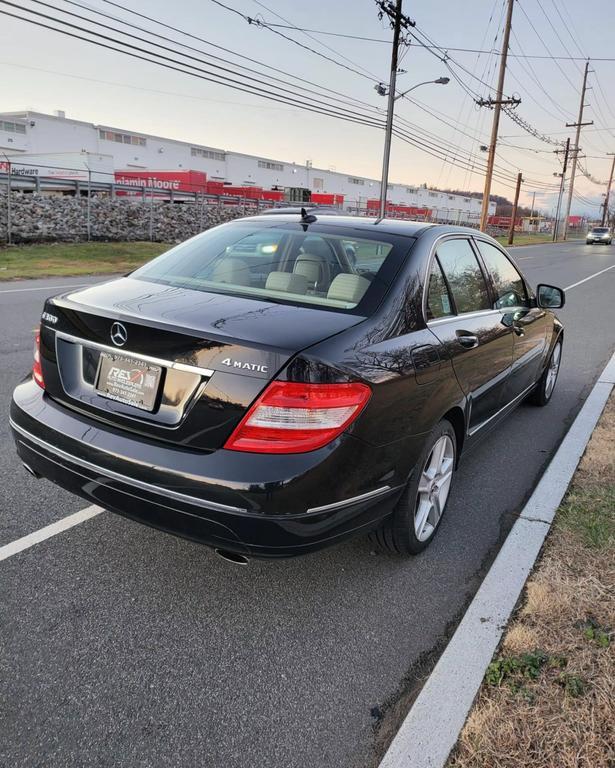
<point>256,505</point>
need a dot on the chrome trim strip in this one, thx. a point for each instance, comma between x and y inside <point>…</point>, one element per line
<point>147,358</point>
<point>124,478</point>
<point>353,500</point>
<point>503,408</point>
<point>463,316</point>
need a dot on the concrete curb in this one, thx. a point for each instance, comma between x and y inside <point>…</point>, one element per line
<point>432,727</point>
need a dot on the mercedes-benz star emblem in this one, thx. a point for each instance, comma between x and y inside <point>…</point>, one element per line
<point>119,334</point>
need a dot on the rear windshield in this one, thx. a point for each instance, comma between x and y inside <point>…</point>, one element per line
<point>600,230</point>
<point>325,266</point>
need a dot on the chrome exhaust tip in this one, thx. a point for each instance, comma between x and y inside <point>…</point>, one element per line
<point>231,557</point>
<point>29,469</point>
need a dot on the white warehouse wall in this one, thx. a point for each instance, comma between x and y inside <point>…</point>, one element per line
<point>46,134</point>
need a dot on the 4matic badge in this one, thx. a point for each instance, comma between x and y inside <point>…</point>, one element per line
<point>245,366</point>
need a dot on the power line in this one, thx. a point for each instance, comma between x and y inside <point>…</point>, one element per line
<point>414,127</point>
<point>183,67</point>
<point>528,128</point>
<point>261,24</point>
<point>346,100</point>
<point>550,57</point>
<point>587,174</point>
<point>550,22</point>
<point>171,64</point>
<point>318,42</point>
<point>222,48</point>
<point>531,73</point>
<point>567,26</point>
<point>281,91</point>
<point>329,112</point>
<point>330,34</point>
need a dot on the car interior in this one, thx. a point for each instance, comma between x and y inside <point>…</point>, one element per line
<point>325,268</point>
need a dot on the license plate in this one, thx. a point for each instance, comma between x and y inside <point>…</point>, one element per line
<point>128,380</point>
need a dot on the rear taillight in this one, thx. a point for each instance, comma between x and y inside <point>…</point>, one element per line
<point>294,418</point>
<point>37,371</point>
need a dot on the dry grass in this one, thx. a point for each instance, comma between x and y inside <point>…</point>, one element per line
<point>548,700</point>
<point>62,259</point>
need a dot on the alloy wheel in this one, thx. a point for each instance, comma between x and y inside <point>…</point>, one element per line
<point>434,487</point>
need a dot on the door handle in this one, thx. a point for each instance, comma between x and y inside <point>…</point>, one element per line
<point>467,340</point>
<point>518,330</point>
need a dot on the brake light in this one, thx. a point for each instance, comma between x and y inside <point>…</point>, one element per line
<point>37,371</point>
<point>294,418</point>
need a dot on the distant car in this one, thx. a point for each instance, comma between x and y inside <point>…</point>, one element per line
<point>281,382</point>
<point>599,235</point>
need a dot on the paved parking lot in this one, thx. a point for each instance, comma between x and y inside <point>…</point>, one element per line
<point>124,646</point>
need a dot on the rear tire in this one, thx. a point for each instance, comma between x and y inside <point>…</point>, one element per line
<point>419,511</point>
<point>546,384</point>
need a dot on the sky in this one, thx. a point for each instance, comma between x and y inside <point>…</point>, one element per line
<point>45,71</point>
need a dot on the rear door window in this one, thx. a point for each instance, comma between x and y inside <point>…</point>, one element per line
<point>507,282</point>
<point>438,298</point>
<point>464,275</point>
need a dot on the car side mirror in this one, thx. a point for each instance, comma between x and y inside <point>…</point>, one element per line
<point>550,297</point>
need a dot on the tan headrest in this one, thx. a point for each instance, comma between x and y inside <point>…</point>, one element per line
<point>234,271</point>
<point>286,281</point>
<point>314,267</point>
<point>348,288</point>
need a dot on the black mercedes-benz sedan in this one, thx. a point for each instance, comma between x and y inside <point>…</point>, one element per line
<point>281,382</point>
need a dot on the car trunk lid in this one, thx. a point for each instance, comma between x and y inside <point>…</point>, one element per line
<point>207,355</point>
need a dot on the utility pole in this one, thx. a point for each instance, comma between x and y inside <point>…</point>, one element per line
<point>398,22</point>
<point>390,108</point>
<point>532,208</point>
<point>511,231</point>
<point>605,214</point>
<point>497,104</point>
<point>578,125</point>
<point>561,189</point>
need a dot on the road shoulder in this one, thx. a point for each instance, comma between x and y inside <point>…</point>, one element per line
<point>431,729</point>
<point>549,693</point>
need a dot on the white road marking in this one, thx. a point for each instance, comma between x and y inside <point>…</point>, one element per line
<point>45,288</point>
<point>8,550</point>
<point>602,271</point>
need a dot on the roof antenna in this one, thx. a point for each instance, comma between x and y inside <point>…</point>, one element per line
<point>307,218</point>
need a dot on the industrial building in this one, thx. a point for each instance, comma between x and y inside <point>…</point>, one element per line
<point>33,140</point>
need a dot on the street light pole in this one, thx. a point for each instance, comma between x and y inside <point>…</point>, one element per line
<point>387,142</point>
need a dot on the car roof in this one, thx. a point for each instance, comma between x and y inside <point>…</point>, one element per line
<point>371,223</point>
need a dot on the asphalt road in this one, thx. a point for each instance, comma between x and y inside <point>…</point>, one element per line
<point>123,646</point>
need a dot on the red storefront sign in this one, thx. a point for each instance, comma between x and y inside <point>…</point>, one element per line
<point>165,181</point>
